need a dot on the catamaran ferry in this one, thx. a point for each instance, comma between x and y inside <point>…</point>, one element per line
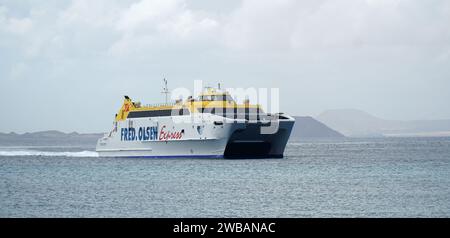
<point>211,126</point>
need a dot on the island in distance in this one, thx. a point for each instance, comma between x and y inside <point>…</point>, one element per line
<point>304,128</point>
<point>49,138</point>
<point>358,123</point>
<point>331,124</point>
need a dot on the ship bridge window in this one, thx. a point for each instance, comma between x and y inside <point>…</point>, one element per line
<point>216,98</point>
<point>241,113</point>
<point>180,112</point>
<point>206,98</point>
<point>249,111</point>
<point>222,98</point>
<point>159,113</point>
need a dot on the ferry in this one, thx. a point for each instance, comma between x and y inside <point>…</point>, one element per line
<point>213,125</point>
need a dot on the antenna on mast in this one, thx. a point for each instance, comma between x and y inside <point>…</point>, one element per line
<point>165,90</point>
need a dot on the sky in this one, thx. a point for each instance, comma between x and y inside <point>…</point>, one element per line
<point>66,64</point>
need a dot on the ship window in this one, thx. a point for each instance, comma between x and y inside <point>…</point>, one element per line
<point>216,98</point>
<point>241,113</point>
<point>159,113</point>
<point>219,98</point>
<point>153,113</point>
<point>205,109</point>
<point>206,98</point>
<point>180,112</point>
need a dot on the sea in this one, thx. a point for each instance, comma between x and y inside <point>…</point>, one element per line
<point>363,177</point>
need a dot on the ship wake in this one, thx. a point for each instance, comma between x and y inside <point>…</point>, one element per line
<point>11,153</point>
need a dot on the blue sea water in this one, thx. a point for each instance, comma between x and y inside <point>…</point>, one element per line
<point>385,177</point>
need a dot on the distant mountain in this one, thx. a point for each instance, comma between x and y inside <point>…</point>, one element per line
<point>357,123</point>
<point>49,138</point>
<point>308,128</point>
<point>304,128</point>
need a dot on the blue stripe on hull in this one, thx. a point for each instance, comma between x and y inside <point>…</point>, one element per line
<point>172,156</point>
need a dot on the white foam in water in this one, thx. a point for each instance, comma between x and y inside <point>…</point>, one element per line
<point>48,153</point>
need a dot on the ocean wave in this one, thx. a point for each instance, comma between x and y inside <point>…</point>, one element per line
<point>48,153</point>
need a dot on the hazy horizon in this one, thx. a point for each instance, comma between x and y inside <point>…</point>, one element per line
<point>349,112</point>
<point>66,64</point>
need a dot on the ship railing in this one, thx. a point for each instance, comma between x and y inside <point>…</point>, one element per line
<point>161,104</point>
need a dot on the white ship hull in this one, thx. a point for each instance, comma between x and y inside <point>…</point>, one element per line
<point>199,135</point>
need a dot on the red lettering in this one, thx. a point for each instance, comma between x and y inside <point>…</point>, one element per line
<point>163,135</point>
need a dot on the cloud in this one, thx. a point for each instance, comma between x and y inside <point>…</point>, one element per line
<point>18,71</point>
<point>12,24</point>
<point>154,23</point>
<point>121,28</point>
<point>290,24</point>
<point>261,24</point>
<point>148,12</point>
<point>339,53</point>
<point>98,13</point>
